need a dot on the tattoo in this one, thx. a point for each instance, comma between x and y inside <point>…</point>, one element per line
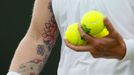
<point>49,36</point>
<point>41,50</point>
<point>32,67</point>
<point>50,30</point>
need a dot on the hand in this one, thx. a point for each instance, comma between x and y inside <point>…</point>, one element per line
<point>111,46</point>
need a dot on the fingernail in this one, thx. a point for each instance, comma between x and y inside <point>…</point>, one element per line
<point>107,20</point>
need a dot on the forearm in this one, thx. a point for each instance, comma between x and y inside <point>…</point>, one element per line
<point>27,58</point>
<point>34,49</point>
<point>30,56</point>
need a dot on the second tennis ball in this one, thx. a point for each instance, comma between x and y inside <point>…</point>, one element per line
<point>73,36</point>
<point>92,23</point>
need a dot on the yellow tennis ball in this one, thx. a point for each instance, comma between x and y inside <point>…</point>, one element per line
<point>92,23</point>
<point>73,36</point>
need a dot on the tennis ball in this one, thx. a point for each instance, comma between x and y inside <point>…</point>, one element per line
<point>92,23</point>
<point>73,36</point>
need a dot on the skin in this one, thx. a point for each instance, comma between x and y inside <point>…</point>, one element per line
<point>35,48</point>
<point>111,46</point>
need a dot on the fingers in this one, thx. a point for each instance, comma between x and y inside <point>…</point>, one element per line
<point>108,25</point>
<point>87,37</point>
<point>78,48</point>
<point>112,32</point>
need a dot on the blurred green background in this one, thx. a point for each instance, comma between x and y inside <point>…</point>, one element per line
<point>15,17</point>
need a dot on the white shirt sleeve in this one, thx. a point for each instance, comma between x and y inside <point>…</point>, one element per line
<point>13,73</point>
<point>129,50</point>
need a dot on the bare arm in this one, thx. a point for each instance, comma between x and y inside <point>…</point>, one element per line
<point>38,42</point>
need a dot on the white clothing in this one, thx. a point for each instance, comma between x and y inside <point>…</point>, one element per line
<point>120,13</point>
<point>13,73</point>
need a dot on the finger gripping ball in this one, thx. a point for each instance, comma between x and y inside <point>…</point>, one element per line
<point>73,36</point>
<point>92,23</point>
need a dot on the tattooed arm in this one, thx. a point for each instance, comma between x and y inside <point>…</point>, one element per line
<point>37,44</point>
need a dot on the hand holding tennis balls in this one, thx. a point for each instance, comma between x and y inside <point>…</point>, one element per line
<point>112,46</point>
<point>92,24</point>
